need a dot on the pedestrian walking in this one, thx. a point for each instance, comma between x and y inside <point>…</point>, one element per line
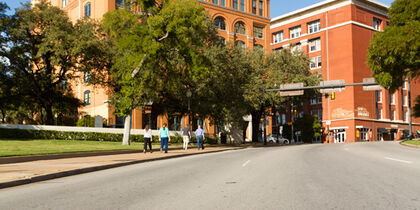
<point>200,137</point>
<point>186,135</point>
<point>164,137</point>
<point>147,136</point>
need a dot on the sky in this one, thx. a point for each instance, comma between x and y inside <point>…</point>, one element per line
<point>281,7</point>
<point>277,7</point>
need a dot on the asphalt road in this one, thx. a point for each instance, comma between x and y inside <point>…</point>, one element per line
<point>340,176</point>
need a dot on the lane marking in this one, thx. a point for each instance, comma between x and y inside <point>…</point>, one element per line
<point>398,160</point>
<point>246,163</point>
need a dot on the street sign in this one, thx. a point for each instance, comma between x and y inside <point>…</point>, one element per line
<point>332,83</point>
<point>292,92</point>
<point>371,87</point>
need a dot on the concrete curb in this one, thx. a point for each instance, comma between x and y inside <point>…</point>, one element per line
<point>27,158</point>
<point>97,168</point>
<point>410,145</point>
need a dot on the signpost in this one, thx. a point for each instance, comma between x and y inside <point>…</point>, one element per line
<point>337,83</point>
<point>291,92</point>
<point>371,87</point>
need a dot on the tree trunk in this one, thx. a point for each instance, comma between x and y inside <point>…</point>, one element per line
<point>256,118</point>
<point>127,129</point>
<point>50,117</point>
<point>2,116</point>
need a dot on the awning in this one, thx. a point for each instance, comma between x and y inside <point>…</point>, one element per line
<point>362,126</point>
<point>418,132</point>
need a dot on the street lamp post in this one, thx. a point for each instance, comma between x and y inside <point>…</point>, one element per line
<point>189,94</point>
<point>265,118</point>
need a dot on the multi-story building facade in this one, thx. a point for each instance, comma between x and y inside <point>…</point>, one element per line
<point>335,34</point>
<point>245,22</point>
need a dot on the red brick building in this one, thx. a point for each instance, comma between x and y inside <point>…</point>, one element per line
<point>336,34</point>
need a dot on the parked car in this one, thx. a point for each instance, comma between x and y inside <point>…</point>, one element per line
<point>272,138</point>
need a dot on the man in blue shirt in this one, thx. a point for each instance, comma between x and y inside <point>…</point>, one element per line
<point>164,137</point>
<point>200,137</point>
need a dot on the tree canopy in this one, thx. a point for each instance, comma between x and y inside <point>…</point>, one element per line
<point>42,51</point>
<point>394,54</point>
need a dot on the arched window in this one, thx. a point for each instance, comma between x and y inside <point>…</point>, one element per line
<point>240,44</point>
<point>86,97</point>
<point>220,23</point>
<point>240,28</point>
<point>87,10</point>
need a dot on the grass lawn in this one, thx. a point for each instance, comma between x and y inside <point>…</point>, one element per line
<point>36,147</point>
<point>415,142</point>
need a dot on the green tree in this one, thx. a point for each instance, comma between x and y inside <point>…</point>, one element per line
<point>159,57</point>
<point>271,71</point>
<point>42,50</point>
<point>394,54</point>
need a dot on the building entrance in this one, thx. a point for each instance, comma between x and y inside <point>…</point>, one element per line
<point>339,135</point>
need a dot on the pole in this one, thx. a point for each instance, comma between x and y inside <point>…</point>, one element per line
<point>265,118</point>
<point>189,113</point>
<point>410,129</point>
<point>292,118</point>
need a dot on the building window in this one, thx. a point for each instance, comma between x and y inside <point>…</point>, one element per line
<point>364,133</point>
<point>220,23</point>
<point>278,37</point>
<point>222,3</point>
<point>259,32</point>
<point>63,3</point>
<point>405,85</point>
<point>312,63</point>
<point>378,96</point>
<point>295,32</point>
<point>319,61</point>
<point>120,3</point>
<point>258,47</point>
<point>296,48</point>
<point>86,77</point>
<point>215,2</point>
<point>379,114</point>
<point>405,100</point>
<point>86,97</point>
<point>406,116</point>
<point>235,4</point>
<point>394,116</point>
<point>314,45</point>
<point>314,26</point>
<point>87,10</point>
<point>242,5</point>
<point>377,24</point>
<point>240,28</point>
<point>261,9</point>
<point>240,44</point>
<point>254,6</point>
<point>392,98</point>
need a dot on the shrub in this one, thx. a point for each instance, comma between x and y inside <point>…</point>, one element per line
<point>86,136</point>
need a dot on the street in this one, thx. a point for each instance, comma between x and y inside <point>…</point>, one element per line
<point>380,175</point>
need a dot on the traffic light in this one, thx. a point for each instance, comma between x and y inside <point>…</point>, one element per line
<point>333,96</point>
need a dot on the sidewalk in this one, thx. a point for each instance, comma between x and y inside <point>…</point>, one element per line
<point>19,173</point>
